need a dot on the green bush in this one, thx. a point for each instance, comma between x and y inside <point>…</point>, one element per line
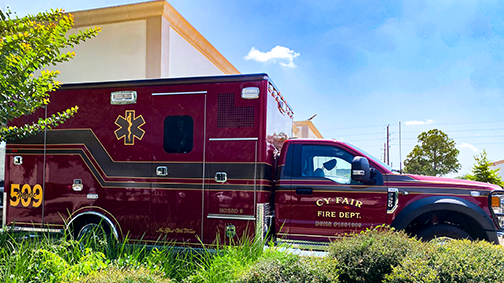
<point>127,275</point>
<point>453,261</point>
<point>368,256</point>
<point>42,259</point>
<point>285,267</point>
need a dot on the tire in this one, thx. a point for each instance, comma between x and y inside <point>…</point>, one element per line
<point>442,233</point>
<point>92,230</point>
<point>92,233</point>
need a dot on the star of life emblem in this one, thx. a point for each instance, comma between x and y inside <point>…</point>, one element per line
<point>129,127</point>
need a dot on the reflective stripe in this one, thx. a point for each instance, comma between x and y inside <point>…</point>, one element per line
<point>33,229</point>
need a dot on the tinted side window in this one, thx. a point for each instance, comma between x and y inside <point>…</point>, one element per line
<point>178,134</point>
<point>326,161</point>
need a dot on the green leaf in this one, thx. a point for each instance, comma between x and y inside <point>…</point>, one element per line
<point>29,45</point>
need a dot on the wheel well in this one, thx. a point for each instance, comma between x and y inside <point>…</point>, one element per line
<point>457,219</point>
<point>80,221</point>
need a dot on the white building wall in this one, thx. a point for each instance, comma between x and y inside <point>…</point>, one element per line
<point>165,50</point>
<point>118,52</point>
<point>311,134</point>
<point>306,130</point>
<point>186,61</point>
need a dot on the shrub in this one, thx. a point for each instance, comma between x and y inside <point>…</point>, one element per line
<point>130,275</point>
<point>41,259</point>
<point>453,261</point>
<point>368,256</point>
<point>290,268</point>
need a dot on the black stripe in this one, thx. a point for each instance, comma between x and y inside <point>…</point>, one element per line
<point>169,81</point>
<point>399,178</point>
<point>139,169</point>
<point>416,190</point>
<point>177,170</point>
<point>334,189</point>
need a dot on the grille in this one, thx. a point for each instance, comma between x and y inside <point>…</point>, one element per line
<point>229,116</point>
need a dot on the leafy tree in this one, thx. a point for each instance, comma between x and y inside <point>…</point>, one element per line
<point>29,45</point>
<point>482,172</point>
<point>435,155</point>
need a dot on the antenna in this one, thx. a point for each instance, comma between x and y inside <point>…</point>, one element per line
<point>400,145</point>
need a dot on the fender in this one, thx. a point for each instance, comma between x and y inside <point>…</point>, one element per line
<point>113,229</point>
<point>419,207</point>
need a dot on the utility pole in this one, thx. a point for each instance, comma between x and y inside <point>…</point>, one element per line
<point>384,152</point>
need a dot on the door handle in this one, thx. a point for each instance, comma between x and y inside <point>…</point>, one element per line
<point>304,191</point>
<point>162,171</point>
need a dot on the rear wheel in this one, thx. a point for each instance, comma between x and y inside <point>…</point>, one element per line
<point>442,233</point>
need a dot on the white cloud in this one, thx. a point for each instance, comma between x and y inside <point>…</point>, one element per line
<point>416,123</point>
<point>469,146</point>
<point>281,53</point>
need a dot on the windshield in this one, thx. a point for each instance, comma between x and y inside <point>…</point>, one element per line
<point>376,160</point>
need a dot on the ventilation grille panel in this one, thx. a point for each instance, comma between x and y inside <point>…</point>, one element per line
<point>229,116</point>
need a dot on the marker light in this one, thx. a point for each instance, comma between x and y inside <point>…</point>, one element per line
<point>250,93</point>
<point>123,97</point>
<point>496,201</point>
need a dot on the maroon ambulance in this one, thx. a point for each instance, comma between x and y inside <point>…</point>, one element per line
<point>212,159</point>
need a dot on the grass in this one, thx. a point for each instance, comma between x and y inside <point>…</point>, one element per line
<point>48,259</point>
<point>372,256</point>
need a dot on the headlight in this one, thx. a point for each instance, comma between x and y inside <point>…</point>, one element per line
<point>497,204</point>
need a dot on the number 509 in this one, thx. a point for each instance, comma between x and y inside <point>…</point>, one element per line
<point>26,195</point>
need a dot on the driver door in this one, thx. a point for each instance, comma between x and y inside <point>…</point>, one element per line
<point>326,202</point>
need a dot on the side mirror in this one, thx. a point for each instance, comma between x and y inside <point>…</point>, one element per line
<point>361,171</point>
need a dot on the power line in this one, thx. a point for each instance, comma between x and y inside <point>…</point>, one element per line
<point>470,137</point>
<point>380,139</point>
<point>465,123</point>
<point>475,144</point>
<point>470,130</point>
<point>349,128</point>
<point>433,124</point>
<point>366,134</point>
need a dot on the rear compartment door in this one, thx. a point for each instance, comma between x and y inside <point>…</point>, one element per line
<point>178,165</point>
<point>231,191</point>
<point>232,158</point>
<point>24,178</point>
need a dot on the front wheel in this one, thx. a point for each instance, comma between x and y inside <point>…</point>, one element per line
<point>443,232</point>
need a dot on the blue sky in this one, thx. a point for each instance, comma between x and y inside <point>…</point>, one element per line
<point>363,65</point>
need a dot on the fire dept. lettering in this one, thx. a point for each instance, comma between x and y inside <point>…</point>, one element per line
<point>340,214</point>
<point>339,200</point>
<point>26,195</point>
<point>130,127</point>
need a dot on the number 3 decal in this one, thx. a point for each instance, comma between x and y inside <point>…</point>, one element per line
<point>26,195</point>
